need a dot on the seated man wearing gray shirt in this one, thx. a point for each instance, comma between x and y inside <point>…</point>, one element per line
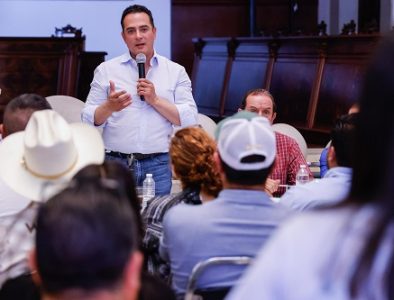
<point>240,220</point>
<point>335,185</point>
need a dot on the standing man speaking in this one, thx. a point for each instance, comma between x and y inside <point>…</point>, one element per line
<point>137,114</point>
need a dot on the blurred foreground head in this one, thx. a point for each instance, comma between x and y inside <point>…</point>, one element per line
<point>373,170</point>
<point>87,242</point>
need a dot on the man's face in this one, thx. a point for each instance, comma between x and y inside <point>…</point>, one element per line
<point>261,105</point>
<point>138,34</point>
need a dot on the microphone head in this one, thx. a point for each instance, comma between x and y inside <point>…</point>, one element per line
<point>140,58</point>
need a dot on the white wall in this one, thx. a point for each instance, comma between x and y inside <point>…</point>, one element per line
<point>100,21</point>
<point>348,10</point>
<point>336,13</point>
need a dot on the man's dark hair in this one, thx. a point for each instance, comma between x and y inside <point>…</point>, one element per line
<point>343,136</point>
<point>85,237</point>
<point>114,170</point>
<point>258,92</point>
<point>133,9</point>
<point>19,110</point>
<point>246,177</point>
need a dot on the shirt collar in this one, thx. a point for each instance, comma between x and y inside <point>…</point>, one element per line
<point>125,58</point>
<point>339,171</point>
<point>245,196</point>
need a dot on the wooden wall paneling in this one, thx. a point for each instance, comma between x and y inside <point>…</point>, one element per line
<point>279,15</point>
<point>347,58</point>
<point>68,70</point>
<point>322,48</point>
<point>45,66</point>
<point>293,77</point>
<point>24,72</point>
<point>273,46</point>
<point>248,71</point>
<point>88,61</point>
<point>221,18</point>
<point>193,19</point>
<point>231,48</point>
<point>340,86</point>
<point>208,82</point>
<point>198,44</point>
<point>313,79</point>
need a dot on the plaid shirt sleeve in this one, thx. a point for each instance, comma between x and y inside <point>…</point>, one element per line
<point>153,217</point>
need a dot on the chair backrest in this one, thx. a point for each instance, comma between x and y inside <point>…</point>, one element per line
<point>68,107</point>
<point>293,133</point>
<point>200,267</point>
<point>207,124</point>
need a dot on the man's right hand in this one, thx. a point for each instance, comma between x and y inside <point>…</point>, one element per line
<point>116,101</point>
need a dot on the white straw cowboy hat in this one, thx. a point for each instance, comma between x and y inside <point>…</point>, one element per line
<point>49,151</point>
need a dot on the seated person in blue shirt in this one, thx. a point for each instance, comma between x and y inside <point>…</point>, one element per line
<point>335,185</point>
<point>137,114</point>
<point>323,156</point>
<point>344,252</point>
<point>240,220</point>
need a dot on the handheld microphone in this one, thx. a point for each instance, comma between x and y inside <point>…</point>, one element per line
<point>141,60</point>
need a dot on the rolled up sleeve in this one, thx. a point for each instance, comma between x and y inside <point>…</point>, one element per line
<point>97,95</point>
<point>184,100</point>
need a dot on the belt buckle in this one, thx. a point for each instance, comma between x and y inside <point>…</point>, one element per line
<point>130,159</point>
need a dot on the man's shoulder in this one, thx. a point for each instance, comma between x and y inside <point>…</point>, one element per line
<point>300,194</point>
<point>320,192</point>
<point>158,207</point>
<point>11,203</point>
<point>164,60</point>
<point>284,139</point>
<point>117,60</point>
<point>183,214</point>
<point>183,209</point>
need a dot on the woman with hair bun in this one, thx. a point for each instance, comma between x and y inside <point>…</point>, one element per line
<point>191,153</point>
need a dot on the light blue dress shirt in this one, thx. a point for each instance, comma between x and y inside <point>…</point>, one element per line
<point>314,255</point>
<point>139,128</point>
<point>237,223</point>
<point>330,190</point>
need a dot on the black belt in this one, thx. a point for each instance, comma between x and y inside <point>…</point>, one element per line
<point>137,156</point>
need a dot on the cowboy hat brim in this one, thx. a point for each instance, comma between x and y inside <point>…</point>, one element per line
<point>89,146</point>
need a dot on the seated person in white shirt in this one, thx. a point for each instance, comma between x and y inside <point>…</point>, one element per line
<point>323,156</point>
<point>335,185</point>
<point>16,115</point>
<point>33,162</point>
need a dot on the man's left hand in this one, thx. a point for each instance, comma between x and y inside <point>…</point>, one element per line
<point>147,89</point>
<point>271,186</point>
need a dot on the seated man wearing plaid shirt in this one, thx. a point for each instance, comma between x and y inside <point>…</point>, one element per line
<point>288,154</point>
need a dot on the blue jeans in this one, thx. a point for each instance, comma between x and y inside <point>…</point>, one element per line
<point>158,166</point>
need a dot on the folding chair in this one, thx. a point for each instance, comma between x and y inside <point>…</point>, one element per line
<point>198,270</point>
